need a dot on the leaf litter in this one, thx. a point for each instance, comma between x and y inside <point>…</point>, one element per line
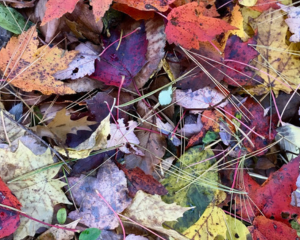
<point>149,119</point>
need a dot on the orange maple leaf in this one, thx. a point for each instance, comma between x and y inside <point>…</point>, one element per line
<point>57,8</point>
<point>31,68</point>
<point>191,23</point>
<point>147,5</point>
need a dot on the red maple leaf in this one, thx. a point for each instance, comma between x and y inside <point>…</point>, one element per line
<point>9,219</point>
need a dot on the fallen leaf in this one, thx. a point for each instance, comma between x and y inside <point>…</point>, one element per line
<point>152,144</point>
<point>152,212</point>
<point>263,5</point>
<point>138,180</point>
<point>83,64</point>
<point>269,229</point>
<point>98,140</point>
<point>135,237</point>
<point>293,21</point>
<point>278,187</point>
<point>59,234</point>
<point>248,3</point>
<point>202,98</point>
<point>133,12</point>
<point>40,206</point>
<point>214,224</point>
<point>193,16</point>
<point>191,127</point>
<point>271,33</point>
<point>187,188</point>
<point>62,125</point>
<point>148,5</point>
<point>111,183</point>
<point>155,34</point>
<point>56,9</point>
<point>238,55</point>
<point>127,61</point>
<point>121,134</point>
<point>9,129</point>
<point>9,220</point>
<point>30,68</point>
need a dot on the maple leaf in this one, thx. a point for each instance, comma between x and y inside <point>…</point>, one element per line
<point>152,212</point>
<point>30,68</point>
<point>40,206</point>
<point>187,191</point>
<point>55,9</point>
<point>269,229</point>
<point>9,220</point>
<point>202,98</point>
<point>189,24</point>
<point>293,21</point>
<point>273,198</point>
<point>258,122</point>
<point>62,125</point>
<point>133,12</point>
<point>277,64</point>
<point>127,61</point>
<point>111,183</point>
<point>214,224</point>
<point>148,5</point>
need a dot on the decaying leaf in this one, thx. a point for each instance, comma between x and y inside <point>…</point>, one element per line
<point>148,5</point>
<point>202,98</point>
<point>293,21</point>
<point>121,134</point>
<point>59,234</point>
<point>93,211</point>
<point>152,212</point>
<point>40,206</point>
<point>83,64</point>
<point>98,140</point>
<point>30,68</point>
<point>62,125</point>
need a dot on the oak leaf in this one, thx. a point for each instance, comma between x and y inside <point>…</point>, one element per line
<point>191,23</point>
<point>40,206</point>
<point>112,185</point>
<point>30,68</point>
<point>152,212</point>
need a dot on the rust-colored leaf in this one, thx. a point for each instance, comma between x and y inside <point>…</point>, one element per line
<point>148,5</point>
<point>136,14</point>
<point>30,68</point>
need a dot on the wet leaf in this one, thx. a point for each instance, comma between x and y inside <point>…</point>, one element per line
<point>111,183</point>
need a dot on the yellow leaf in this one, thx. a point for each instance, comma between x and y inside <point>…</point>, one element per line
<point>61,125</point>
<point>151,211</point>
<point>98,140</point>
<point>279,68</point>
<point>31,68</point>
<point>38,193</point>
<point>215,224</point>
<point>248,3</point>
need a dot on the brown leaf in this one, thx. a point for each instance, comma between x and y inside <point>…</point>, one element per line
<point>111,183</point>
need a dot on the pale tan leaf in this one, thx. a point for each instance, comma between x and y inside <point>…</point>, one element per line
<point>152,212</point>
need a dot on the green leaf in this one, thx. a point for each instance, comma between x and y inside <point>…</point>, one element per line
<point>90,234</point>
<point>61,215</point>
<point>11,20</point>
<point>209,137</point>
<point>185,192</point>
